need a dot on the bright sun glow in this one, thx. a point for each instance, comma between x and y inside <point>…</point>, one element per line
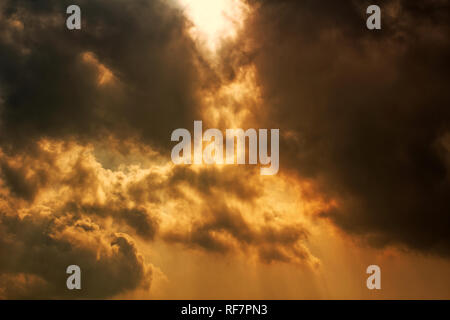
<point>214,20</point>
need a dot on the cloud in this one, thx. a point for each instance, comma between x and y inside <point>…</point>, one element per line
<point>48,223</point>
<point>131,71</point>
<point>37,249</point>
<point>61,207</point>
<point>222,229</point>
<point>363,113</point>
<point>86,117</point>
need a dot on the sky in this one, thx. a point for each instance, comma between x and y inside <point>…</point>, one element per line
<point>86,175</point>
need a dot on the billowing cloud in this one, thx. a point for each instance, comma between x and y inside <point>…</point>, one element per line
<point>60,206</point>
<point>86,118</point>
<point>37,249</point>
<point>131,71</point>
<point>219,229</point>
<point>364,114</point>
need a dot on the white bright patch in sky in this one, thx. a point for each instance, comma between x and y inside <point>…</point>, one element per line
<point>214,20</point>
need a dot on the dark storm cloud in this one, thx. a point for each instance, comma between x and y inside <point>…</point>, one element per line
<point>48,89</point>
<point>36,251</point>
<point>366,114</point>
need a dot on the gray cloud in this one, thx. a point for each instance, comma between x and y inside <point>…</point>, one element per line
<point>37,250</point>
<point>365,114</point>
<point>47,89</point>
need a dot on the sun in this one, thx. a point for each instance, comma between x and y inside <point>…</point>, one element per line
<point>214,20</point>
